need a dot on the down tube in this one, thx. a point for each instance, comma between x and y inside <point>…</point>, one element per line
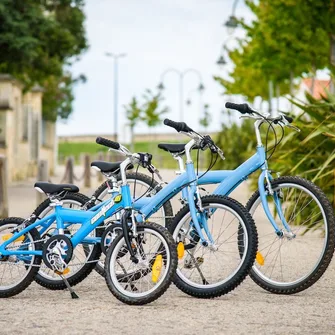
<point>152,205</point>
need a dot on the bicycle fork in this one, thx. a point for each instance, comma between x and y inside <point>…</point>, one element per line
<point>264,193</point>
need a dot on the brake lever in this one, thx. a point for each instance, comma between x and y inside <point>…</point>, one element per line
<point>293,127</point>
<point>221,154</point>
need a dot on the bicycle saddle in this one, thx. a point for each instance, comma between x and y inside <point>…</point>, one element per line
<point>108,167</point>
<point>174,148</point>
<point>49,188</point>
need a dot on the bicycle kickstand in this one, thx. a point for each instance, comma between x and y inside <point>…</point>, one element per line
<point>72,292</point>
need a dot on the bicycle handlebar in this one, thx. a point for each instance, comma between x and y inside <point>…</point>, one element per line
<point>246,109</point>
<point>107,143</point>
<point>242,108</point>
<point>178,126</point>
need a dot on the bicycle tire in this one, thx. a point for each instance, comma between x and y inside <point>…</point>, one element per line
<point>145,179</point>
<point>113,252</point>
<point>28,279</point>
<point>235,279</point>
<point>327,255</point>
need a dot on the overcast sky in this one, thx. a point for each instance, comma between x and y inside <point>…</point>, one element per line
<point>155,35</point>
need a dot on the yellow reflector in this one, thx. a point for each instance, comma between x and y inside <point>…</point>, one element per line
<point>66,271</point>
<point>156,268</point>
<point>8,236</point>
<point>259,258</point>
<point>180,250</point>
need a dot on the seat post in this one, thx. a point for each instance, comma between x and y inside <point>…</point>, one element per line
<point>180,163</point>
<point>113,180</point>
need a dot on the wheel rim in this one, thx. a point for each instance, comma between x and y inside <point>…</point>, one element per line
<point>286,261</point>
<point>229,233</point>
<point>139,192</point>
<point>11,266</point>
<point>144,284</point>
<point>80,254</point>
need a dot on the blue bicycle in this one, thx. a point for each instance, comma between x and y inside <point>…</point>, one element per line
<point>140,265</point>
<point>295,220</point>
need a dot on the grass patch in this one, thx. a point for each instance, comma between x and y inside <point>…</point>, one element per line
<point>161,158</point>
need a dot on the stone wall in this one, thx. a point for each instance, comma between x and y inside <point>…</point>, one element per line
<point>21,130</point>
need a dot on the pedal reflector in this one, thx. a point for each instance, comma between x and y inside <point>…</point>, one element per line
<point>65,272</point>
<point>6,237</point>
<point>259,258</point>
<point>180,250</point>
<point>156,268</point>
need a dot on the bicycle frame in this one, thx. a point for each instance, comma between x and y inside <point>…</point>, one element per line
<point>228,180</point>
<point>89,220</point>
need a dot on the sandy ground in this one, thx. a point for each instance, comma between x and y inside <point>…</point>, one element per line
<point>247,310</point>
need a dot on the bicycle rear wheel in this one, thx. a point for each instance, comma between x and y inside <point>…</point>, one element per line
<point>18,271</point>
<point>85,256</point>
<point>145,281</point>
<point>287,265</point>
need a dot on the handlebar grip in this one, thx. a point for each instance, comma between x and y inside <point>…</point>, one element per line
<point>179,126</point>
<point>108,143</point>
<point>288,118</point>
<point>242,108</point>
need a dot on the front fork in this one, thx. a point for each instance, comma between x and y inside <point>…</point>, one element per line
<point>264,193</point>
<point>198,215</point>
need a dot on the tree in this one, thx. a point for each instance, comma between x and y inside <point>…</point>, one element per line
<point>134,115</point>
<point>288,38</point>
<point>151,108</point>
<point>152,111</point>
<point>38,39</point>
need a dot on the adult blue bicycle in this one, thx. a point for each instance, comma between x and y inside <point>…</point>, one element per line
<point>294,218</point>
<point>140,263</point>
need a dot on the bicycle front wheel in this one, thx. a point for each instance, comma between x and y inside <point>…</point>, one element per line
<point>290,264</point>
<point>211,271</point>
<point>139,184</point>
<point>143,281</point>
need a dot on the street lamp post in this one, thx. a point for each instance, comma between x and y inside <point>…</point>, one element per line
<point>181,76</point>
<point>116,83</point>
<point>222,61</point>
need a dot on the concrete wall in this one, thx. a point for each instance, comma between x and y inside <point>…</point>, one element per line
<point>21,130</point>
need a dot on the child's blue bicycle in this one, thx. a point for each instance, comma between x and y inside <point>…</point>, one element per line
<point>140,264</point>
<point>221,227</point>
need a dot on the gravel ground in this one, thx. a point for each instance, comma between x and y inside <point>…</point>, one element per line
<point>246,310</point>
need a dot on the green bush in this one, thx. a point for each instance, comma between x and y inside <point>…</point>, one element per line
<point>311,152</point>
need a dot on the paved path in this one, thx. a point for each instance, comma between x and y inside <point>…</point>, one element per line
<point>247,310</point>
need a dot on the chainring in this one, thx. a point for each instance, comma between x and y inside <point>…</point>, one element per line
<point>55,246</point>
